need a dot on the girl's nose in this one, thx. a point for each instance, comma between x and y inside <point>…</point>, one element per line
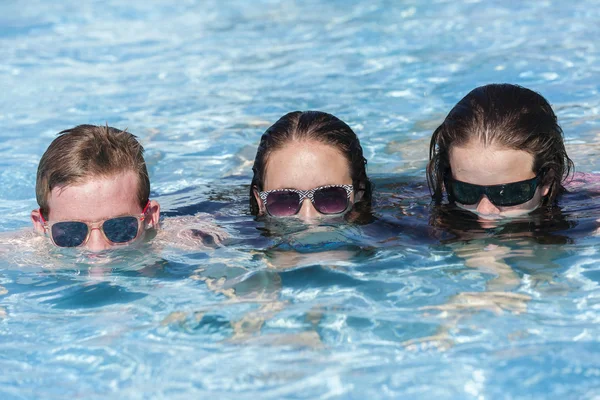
<point>485,206</point>
<point>307,211</point>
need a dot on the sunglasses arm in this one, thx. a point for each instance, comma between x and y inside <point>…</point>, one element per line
<point>44,222</point>
<point>147,214</point>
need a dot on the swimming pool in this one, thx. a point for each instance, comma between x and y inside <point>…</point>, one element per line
<point>387,310</point>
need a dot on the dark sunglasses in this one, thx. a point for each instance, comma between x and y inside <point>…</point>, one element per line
<point>331,199</point>
<point>505,195</point>
<point>118,230</point>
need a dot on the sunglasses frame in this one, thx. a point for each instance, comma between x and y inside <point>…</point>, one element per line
<point>485,189</point>
<point>96,225</point>
<point>307,194</point>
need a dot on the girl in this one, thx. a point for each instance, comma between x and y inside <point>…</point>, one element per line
<point>499,153</point>
<point>309,165</point>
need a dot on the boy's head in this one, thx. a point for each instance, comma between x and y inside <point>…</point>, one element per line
<point>92,174</point>
<point>86,152</point>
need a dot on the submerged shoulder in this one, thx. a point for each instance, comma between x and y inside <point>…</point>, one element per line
<point>19,238</point>
<point>191,232</point>
<point>17,247</point>
<point>583,181</point>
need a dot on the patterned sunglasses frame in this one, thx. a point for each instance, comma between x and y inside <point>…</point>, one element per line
<point>307,194</point>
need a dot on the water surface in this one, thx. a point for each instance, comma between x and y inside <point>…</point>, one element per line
<point>399,307</point>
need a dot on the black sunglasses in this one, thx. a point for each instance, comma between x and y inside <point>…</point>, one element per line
<point>331,199</point>
<point>505,195</point>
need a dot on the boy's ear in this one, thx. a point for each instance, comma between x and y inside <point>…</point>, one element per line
<point>153,214</point>
<point>38,221</point>
<point>261,206</point>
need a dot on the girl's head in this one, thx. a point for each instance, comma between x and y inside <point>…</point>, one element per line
<point>304,151</point>
<point>497,135</point>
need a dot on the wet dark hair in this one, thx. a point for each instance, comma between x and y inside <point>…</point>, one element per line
<point>320,127</point>
<point>507,115</point>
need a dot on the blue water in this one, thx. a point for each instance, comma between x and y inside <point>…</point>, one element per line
<point>397,308</point>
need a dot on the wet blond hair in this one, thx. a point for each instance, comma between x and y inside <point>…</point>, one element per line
<point>87,151</point>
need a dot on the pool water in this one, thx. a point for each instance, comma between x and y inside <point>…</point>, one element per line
<point>416,303</point>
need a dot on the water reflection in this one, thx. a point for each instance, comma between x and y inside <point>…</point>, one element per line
<point>433,269</point>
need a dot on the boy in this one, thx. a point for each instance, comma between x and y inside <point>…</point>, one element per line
<point>93,190</point>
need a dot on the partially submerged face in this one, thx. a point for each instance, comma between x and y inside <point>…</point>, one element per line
<point>96,200</point>
<point>306,165</point>
<point>487,165</point>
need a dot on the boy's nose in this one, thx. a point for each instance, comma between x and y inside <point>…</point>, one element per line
<point>485,206</point>
<point>97,242</point>
<point>307,211</point>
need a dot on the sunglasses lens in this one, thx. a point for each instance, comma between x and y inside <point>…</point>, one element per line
<point>121,230</point>
<point>512,194</point>
<point>69,233</point>
<point>464,193</point>
<point>283,203</point>
<point>332,200</point>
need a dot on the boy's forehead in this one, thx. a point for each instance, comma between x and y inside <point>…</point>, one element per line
<point>123,183</point>
<point>96,197</point>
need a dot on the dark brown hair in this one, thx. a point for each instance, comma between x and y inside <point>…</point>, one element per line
<point>506,115</point>
<point>87,151</point>
<point>317,126</point>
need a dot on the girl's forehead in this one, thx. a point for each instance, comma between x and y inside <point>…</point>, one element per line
<point>475,149</point>
<point>305,165</point>
<point>490,165</point>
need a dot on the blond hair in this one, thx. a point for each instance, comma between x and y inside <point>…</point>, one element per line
<point>87,151</point>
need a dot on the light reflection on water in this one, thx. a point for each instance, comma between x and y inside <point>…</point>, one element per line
<point>380,295</point>
<point>400,307</point>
